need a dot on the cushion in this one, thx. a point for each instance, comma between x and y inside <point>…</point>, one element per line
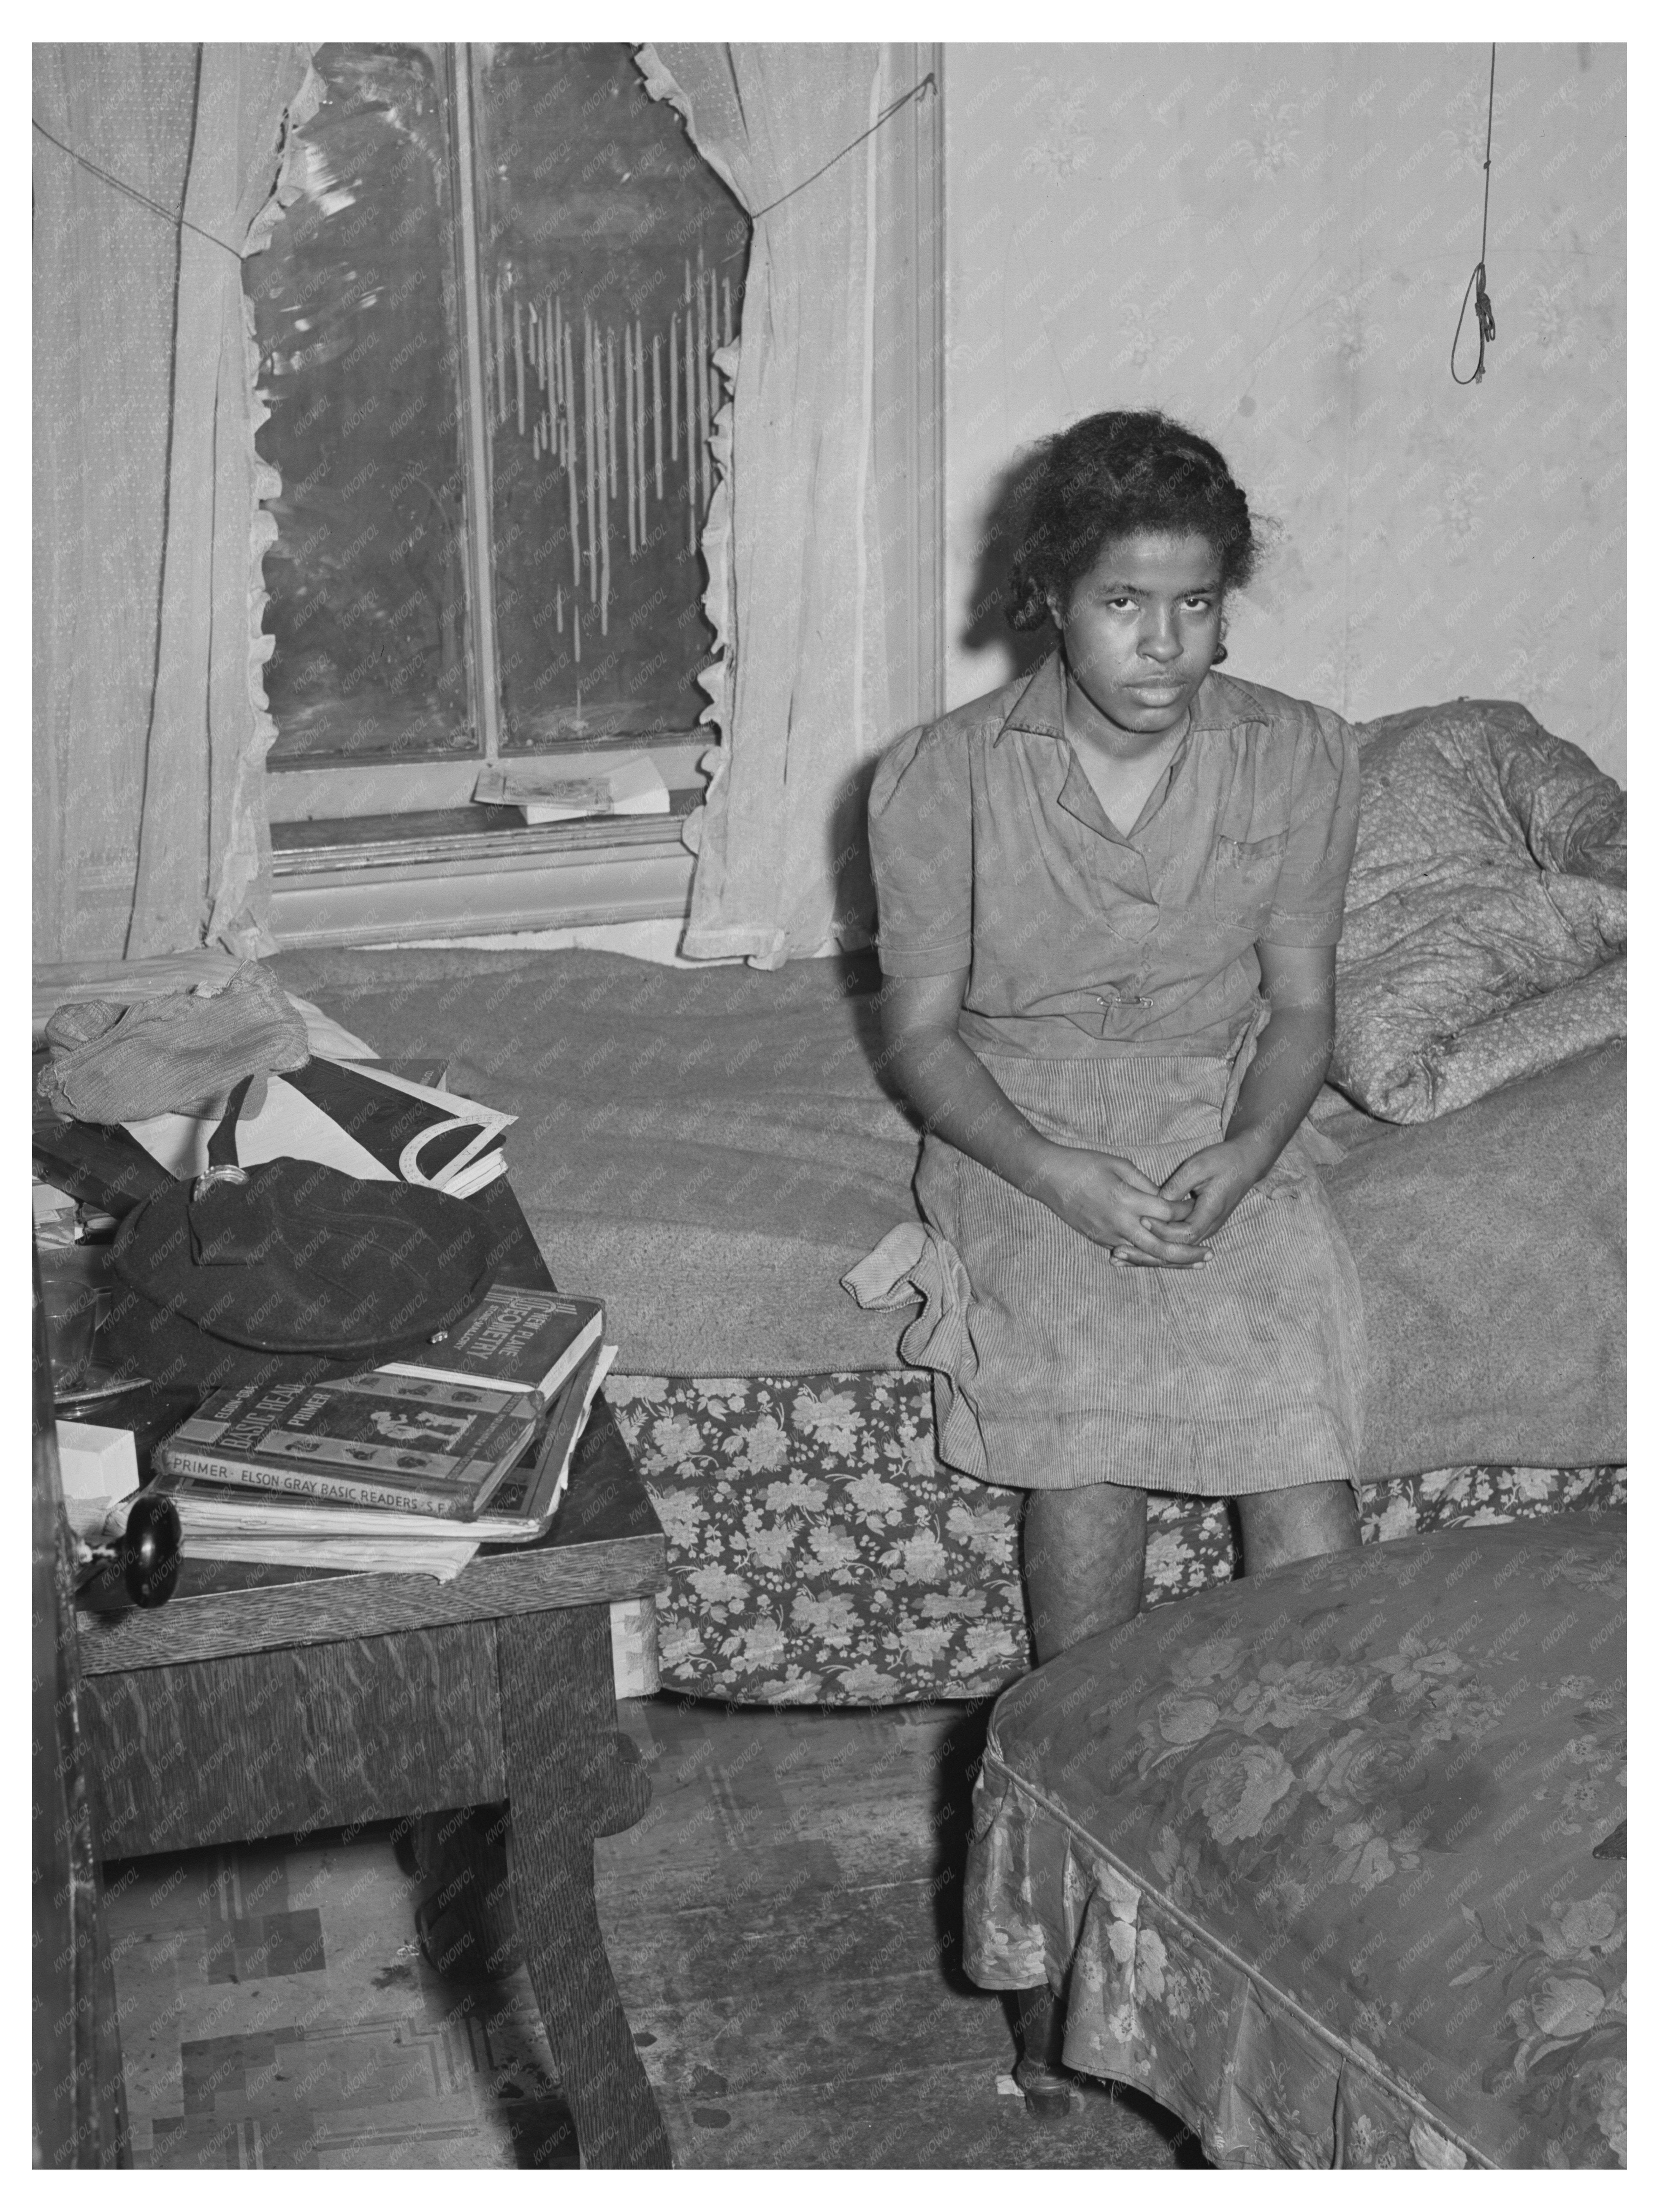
<point>1316,1854</point>
<point>1485,903</point>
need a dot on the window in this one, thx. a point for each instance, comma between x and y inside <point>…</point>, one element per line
<point>486,331</point>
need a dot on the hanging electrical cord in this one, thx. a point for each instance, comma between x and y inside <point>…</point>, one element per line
<point>1485,324</point>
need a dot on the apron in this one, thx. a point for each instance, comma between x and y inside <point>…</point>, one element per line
<point>1053,1369</point>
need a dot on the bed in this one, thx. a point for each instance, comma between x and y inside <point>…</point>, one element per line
<point>713,1150</point>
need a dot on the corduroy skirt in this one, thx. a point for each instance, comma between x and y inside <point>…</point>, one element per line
<point>1055,1369</point>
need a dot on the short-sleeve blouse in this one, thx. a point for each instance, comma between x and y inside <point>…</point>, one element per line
<point>992,853</point>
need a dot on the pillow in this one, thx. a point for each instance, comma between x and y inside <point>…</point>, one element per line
<point>1330,1862</point>
<point>1487,897</point>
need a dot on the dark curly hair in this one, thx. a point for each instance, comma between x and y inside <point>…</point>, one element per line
<point>1111,474</point>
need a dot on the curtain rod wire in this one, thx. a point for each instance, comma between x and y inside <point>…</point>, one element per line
<point>926,84</point>
<point>178,222</point>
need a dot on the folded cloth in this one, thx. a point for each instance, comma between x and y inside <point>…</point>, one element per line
<point>886,1277</point>
<point>81,1020</point>
<point>172,1054</point>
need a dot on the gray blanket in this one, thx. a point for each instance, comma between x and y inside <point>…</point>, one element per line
<point>1490,1250</point>
<point>710,1151</point>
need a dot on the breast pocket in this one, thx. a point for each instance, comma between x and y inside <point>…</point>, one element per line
<point>1244,877</point>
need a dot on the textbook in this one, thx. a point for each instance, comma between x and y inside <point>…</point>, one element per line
<point>221,1520</point>
<point>426,1447</point>
<point>575,789</point>
<point>514,1340</point>
<point>523,1506</point>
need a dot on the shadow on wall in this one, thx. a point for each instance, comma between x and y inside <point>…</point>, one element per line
<point>988,628</point>
<point>847,842</point>
<point>847,859</point>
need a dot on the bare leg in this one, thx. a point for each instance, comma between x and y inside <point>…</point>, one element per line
<point>1282,1525</point>
<point>1084,1553</point>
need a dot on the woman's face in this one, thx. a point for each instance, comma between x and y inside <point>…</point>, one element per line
<point>1141,627</point>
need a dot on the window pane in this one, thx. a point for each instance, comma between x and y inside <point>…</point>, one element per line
<point>355,315</point>
<point>612,264</point>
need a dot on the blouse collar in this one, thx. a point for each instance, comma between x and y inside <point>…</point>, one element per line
<point>1222,703</point>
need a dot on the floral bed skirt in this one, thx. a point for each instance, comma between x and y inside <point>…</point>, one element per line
<point>1339,1877</point>
<point>818,1552</point>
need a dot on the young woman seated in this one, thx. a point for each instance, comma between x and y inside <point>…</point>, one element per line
<point>1110,895</point>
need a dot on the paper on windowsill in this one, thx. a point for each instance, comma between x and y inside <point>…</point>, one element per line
<point>575,786</point>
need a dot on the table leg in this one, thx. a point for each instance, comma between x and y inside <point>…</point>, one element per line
<point>559,1734</point>
<point>458,1863</point>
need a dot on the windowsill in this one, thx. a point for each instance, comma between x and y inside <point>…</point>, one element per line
<point>350,791</point>
<point>387,879</point>
<point>489,833</point>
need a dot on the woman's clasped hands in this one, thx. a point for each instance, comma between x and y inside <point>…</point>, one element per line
<point>1109,1201</point>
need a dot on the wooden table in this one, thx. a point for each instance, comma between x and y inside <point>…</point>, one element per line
<point>269,1701</point>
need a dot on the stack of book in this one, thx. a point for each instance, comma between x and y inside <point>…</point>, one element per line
<point>403,1469</point>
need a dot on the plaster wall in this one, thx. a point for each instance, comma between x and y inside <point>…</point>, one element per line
<point>1271,243</point>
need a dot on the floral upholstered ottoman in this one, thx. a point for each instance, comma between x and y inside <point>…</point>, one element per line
<point>1330,1862</point>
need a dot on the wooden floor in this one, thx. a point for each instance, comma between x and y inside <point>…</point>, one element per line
<point>784,1928</point>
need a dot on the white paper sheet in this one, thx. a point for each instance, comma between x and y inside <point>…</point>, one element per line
<point>287,1126</point>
